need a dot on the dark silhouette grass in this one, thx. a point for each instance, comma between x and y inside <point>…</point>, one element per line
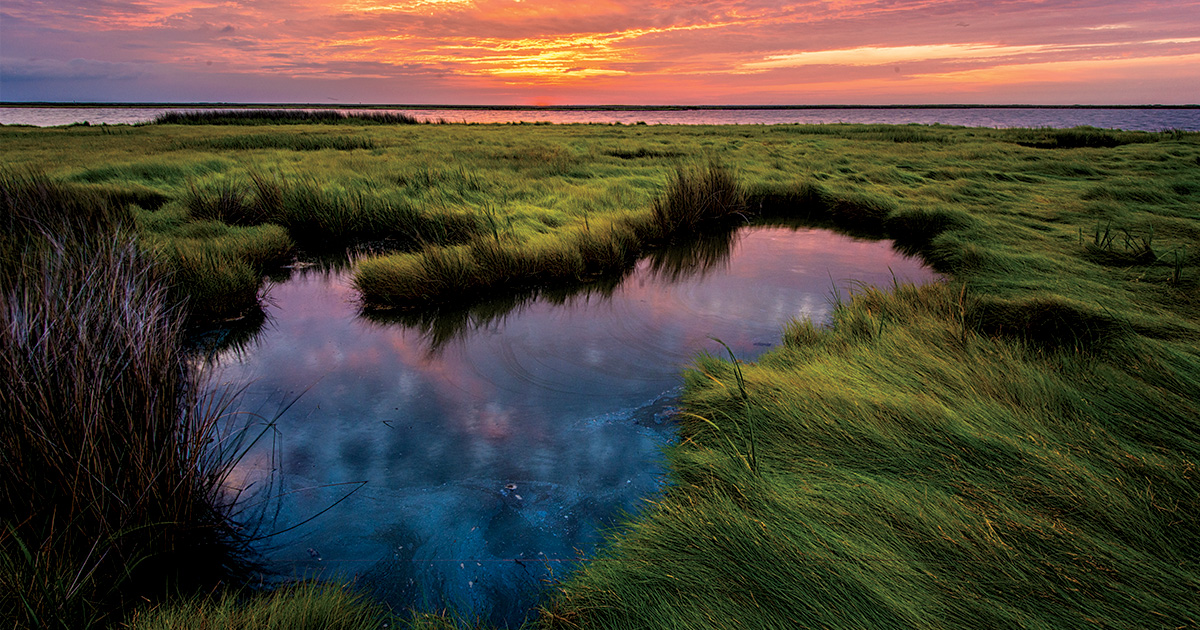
<point>281,117</point>
<point>111,480</point>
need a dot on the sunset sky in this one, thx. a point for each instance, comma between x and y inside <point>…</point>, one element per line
<point>550,52</point>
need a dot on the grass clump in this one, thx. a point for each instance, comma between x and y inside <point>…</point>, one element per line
<point>282,117</point>
<point>1049,321</point>
<point>110,486</point>
<point>696,198</point>
<point>1080,137</point>
<point>219,274</point>
<point>438,276</point>
<point>227,202</point>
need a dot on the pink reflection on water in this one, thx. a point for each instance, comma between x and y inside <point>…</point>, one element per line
<point>562,398</point>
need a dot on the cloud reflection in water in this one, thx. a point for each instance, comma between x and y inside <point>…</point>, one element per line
<point>495,438</point>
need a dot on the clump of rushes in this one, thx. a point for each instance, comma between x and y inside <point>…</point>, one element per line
<point>1080,137</point>
<point>697,198</point>
<point>494,264</point>
<point>220,275</point>
<point>31,203</point>
<point>110,483</point>
<point>282,117</point>
<point>226,201</point>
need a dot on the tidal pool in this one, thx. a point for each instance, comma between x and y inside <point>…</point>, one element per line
<point>462,459</point>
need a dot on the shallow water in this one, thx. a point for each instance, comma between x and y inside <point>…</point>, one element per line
<point>462,459</point>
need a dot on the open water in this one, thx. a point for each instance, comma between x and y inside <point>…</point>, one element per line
<point>465,458</point>
<point>1138,119</point>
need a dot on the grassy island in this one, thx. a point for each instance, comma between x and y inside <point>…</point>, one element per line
<point>1015,447</point>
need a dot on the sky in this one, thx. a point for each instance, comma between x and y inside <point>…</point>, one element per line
<point>600,52</point>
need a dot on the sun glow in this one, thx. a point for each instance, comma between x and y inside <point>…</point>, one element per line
<point>729,50</point>
<point>410,6</point>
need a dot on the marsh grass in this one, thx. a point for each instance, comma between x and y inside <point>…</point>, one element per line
<point>303,606</point>
<point>111,483</point>
<point>221,276</point>
<point>458,179</point>
<point>883,133</point>
<point>696,198</point>
<point>1014,448</point>
<point>1080,137</point>
<point>298,142</point>
<point>642,153</point>
<point>856,212</point>
<point>322,216</point>
<point>886,498</point>
<point>227,201</point>
<point>282,117</point>
<point>32,204</point>
<point>493,266</point>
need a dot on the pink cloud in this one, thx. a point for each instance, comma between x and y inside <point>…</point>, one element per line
<point>606,51</point>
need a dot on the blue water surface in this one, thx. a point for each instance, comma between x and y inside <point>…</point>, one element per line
<point>464,459</point>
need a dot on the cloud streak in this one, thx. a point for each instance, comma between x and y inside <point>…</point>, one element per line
<point>607,51</point>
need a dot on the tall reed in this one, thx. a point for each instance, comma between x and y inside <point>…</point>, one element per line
<point>113,459</point>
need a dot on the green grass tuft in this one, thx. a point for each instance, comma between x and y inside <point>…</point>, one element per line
<point>696,198</point>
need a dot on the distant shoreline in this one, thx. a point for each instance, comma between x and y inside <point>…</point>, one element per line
<point>598,108</point>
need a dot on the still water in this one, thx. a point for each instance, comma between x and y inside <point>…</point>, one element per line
<point>464,459</point>
<point>1137,119</point>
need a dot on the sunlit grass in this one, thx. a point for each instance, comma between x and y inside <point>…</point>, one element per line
<point>306,606</point>
<point>913,472</point>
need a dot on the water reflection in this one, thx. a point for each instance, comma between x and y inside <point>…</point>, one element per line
<point>496,442</point>
<point>703,255</point>
<point>439,326</point>
<point>1145,119</point>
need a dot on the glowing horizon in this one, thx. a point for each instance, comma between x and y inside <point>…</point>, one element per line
<point>601,52</point>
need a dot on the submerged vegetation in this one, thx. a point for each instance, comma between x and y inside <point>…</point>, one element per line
<point>1015,447</point>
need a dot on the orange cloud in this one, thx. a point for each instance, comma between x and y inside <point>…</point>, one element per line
<point>652,51</point>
